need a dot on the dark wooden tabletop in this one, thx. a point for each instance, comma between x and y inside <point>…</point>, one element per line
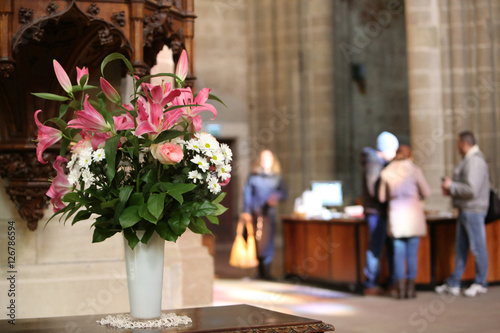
<point>232,318</point>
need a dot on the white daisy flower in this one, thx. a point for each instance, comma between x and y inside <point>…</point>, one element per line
<point>193,145</point>
<point>85,157</point>
<point>227,152</point>
<point>195,176</point>
<point>213,185</point>
<point>223,171</point>
<point>208,142</point>
<point>88,177</point>
<point>217,158</point>
<point>99,155</point>
<point>201,162</point>
<point>74,176</point>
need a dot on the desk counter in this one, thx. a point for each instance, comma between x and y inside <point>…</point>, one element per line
<point>332,252</point>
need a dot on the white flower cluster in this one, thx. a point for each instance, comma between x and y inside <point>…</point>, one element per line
<point>79,165</point>
<point>212,160</point>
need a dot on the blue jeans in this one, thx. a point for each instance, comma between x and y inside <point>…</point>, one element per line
<point>405,253</point>
<point>377,227</point>
<point>470,233</point>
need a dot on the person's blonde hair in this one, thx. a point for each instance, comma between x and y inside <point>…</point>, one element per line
<point>256,168</point>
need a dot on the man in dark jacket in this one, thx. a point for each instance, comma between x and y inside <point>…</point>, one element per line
<point>373,161</point>
<point>469,189</point>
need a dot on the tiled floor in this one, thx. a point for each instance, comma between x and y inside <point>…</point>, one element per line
<point>349,313</point>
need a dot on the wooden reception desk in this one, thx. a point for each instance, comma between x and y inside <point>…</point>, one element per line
<point>332,252</point>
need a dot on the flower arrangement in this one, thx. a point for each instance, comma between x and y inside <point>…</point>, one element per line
<point>142,165</point>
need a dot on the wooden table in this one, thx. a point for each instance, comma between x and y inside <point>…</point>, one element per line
<point>332,252</point>
<point>233,318</point>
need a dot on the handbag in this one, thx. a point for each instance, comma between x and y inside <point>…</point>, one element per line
<point>493,208</point>
<point>243,252</point>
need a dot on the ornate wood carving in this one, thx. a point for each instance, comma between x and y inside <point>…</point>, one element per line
<point>76,34</point>
<point>118,18</point>
<point>25,15</point>
<point>28,182</point>
<point>93,9</point>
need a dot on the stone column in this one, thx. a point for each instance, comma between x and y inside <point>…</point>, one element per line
<point>452,66</point>
<point>430,137</point>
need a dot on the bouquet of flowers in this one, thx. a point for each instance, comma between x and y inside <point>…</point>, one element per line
<point>142,165</point>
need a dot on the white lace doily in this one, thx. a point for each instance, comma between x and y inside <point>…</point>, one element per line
<point>126,321</point>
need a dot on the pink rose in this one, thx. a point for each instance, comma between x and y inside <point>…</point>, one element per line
<point>167,153</point>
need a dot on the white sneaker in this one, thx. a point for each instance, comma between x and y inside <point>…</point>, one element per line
<point>445,288</point>
<point>474,290</point>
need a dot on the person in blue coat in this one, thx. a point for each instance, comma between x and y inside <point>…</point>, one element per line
<point>262,192</point>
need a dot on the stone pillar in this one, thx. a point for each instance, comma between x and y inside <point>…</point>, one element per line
<point>427,94</point>
<point>452,69</point>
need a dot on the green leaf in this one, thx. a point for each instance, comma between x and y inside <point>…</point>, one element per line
<point>213,97</point>
<point>163,229</point>
<point>114,56</point>
<point>168,135</point>
<point>178,222</point>
<point>102,234</point>
<point>136,199</point>
<point>109,204</point>
<point>123,196</point>
<point>156,204</point>
<point>147,235</point>
<point>199,226</point>
<point>220,210</point>
<point>131,237</point>
<point>81,215</point>
<point>110,149</point>
<point>204,208</point>
<point>52,97</point>
<point>176,190</point>
<point>146,214</point>
<point>213,219</point>
<point>129,217</point>
<point>219,198</point>
<point>71,197</point>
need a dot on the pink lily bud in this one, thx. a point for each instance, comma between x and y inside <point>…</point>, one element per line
<point>110,92</point>
<point>62,77</point>
<point>80,73</point>
<point>182,66</point>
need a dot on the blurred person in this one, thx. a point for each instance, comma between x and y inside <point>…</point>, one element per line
<point>403,186</point>
<point>469,190</point>
<point>262,192</point>
<point>373,161</point>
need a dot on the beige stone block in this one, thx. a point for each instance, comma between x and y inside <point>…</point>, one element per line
<point>422,37</point>
<point>427,60</point>
<point>419,17</point>
<point>7,207</point>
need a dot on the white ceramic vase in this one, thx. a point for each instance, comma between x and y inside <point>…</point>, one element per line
<point>145,276</point>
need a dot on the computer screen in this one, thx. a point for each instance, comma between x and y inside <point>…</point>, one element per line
<point>330,192</point>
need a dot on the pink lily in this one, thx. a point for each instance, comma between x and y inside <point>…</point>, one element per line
<point>80,73</point>
<point>47,136</point>
<point>60,185</point>
<point>110,92</point>
<point>161,94</point>
<point>182,66</point>
<point>124,122</point>
<point>191,112</point>
<point>89,119</point>
<point>151,118</point>
<point>62,77</point>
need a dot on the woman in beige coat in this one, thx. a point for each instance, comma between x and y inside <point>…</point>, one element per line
<point>403,185</point>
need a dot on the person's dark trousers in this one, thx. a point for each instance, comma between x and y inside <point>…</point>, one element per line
<point>377,228</point>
